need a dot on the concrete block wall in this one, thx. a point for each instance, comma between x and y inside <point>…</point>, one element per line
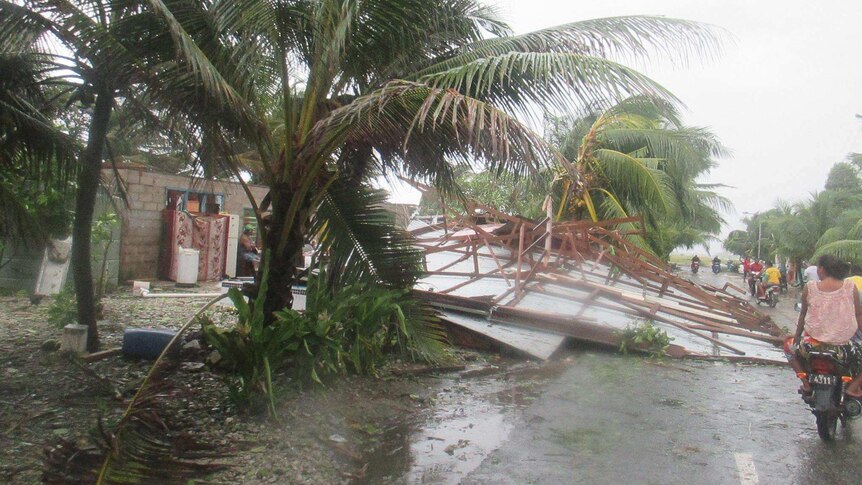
<point>142,220</point>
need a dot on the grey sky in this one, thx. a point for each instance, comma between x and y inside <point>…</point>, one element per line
<point>782,96</point>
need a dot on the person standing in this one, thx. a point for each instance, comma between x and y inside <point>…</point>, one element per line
<point>746,267</point>
<point>810,274</point>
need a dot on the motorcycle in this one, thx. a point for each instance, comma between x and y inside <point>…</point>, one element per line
<point>716,268</point>
<point>753,278</point>
<point>695,265</point>
<point>769,297</point>
<point>828,372</point>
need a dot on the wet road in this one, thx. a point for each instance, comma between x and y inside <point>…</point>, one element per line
<point>603,418</point>
<point>613,419</point>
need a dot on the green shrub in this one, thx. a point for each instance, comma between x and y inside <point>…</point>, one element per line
<point>64,308</point>
<point>348,330</point>
<point>647,337</point>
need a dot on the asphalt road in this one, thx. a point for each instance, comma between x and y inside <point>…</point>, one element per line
<point>616,419</point>
<point>613,419</point>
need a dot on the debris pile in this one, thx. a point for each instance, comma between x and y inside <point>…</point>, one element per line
<point>530,285</point>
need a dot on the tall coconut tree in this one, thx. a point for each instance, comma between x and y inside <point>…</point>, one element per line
<point>407,87</point>
<point>104,53</point>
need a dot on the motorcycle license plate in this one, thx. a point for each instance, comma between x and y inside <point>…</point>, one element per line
<point>823,379</point>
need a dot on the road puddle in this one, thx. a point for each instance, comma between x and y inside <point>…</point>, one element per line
<point>466,420</point>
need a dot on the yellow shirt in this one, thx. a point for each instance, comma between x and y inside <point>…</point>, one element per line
<point>857,280</point>
<point>773,276</point>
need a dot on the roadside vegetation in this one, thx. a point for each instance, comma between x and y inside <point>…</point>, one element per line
<point>826,222</point>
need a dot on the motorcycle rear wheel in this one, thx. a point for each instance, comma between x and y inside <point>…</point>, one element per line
<point>772,301</point>
<point>826,425</point>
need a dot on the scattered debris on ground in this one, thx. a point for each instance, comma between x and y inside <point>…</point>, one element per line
<point>377,422</point>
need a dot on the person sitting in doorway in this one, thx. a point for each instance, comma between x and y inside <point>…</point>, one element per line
<point>248,252</point>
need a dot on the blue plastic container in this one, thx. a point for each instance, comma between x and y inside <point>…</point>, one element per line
<point>145,343</point>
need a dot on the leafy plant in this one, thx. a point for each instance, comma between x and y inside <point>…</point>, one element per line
<point>249,349</point>
<point>64,308</point>
<point>348,330</point>
<point>103,235</point>
<point>646,337</point>
<point>351,329</point>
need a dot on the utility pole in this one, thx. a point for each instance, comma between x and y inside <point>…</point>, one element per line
<point>759,230</point>
<point>759,237</point>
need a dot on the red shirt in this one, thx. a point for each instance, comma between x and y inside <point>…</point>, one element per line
<point>756,267</point>
<point>746,264</point>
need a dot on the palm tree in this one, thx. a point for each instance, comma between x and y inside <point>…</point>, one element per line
<point>637,158</point>
<point>35,156</point>
<point>111,54</point>
<point>332,91</point>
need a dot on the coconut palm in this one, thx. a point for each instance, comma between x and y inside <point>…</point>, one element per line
<point>334,91</point>
<point>96,55</point>
<point>637,158</point>
<point>82,29</point>
<point>35,156</point>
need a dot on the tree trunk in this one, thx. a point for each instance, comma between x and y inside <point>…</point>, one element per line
<point>283,265</point>
<point>85,203</point>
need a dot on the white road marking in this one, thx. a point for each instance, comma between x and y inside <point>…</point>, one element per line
<point>745,466</point>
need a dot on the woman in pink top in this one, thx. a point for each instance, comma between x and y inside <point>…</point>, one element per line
<point>830,314</point>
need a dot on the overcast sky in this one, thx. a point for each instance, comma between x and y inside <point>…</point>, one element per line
<point>782,96</point>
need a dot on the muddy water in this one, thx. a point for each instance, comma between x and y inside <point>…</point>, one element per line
<point>465,421</point>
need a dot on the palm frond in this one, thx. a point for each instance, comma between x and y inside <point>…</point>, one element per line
<point>611,208</point>
<point>555,80</point>
<point>429,129</point>
<point>639,37</point>
<point>357,231</point>
<point>204,73</point>
<point>634,179</point>
<point>833,234</point>
<point>16,221</point>
<point>845,250</point>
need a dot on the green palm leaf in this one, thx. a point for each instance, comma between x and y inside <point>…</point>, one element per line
<point>833,234</point>
<point>845,250</point>
<point>639,37</point>
<point>633,179</point>
<point>556,80</point>
<point>353,225</point>
<point>427,129</point>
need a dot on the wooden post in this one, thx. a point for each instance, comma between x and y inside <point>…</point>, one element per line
<point>74,338</point>
<point>520,254</point>
<point>549,229</point>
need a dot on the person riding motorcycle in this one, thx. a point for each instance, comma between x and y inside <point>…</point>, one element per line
<point>754,270</point>
<point>831,315</point>
<point>771,277</point>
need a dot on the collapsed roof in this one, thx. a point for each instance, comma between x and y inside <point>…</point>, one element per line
<point>530,285</point>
